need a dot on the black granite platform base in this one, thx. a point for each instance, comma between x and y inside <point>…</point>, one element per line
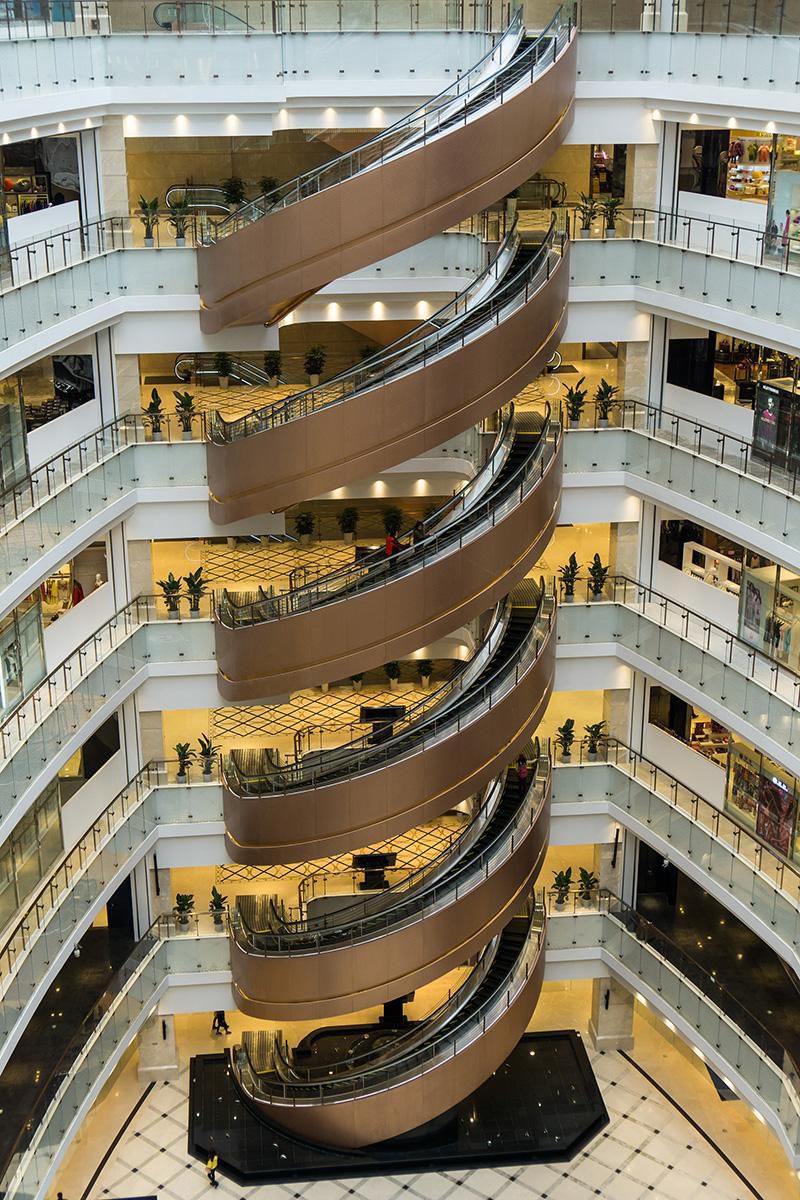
<point>542,1105</point>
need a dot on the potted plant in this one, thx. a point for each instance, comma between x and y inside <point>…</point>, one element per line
<point>348,523</point>
<point>218,905</point>
<point>233,191</point>
<point>562,882</point>
<point>155,415</point>
<point>304,525</point>
<point>223,365</point>
<point>272,366</point>
<point>314,363</point>
<point>587,211</point>
<point>565,736</point>
<point>392,670</point>
<point>184,907</point>
<point>609,209</point>
<point>357,680</point>
<point>208,754</point>
<point>171,587</point>
<point>184,407</point>
<point>597,577</point>
<point>575,400</point>
<point>196,588</point>
<point>587,885</point>
<point>267,184</point>
<point>148,215</point>
<point>569,577</point>
<point>185,756</point>
<point>425,670</point>
<point>179,217</point>
<point>605,399</point>
<point>392,520</point>
<point>596,736</point>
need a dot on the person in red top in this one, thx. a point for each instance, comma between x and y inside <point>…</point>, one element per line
<point>392,548</point>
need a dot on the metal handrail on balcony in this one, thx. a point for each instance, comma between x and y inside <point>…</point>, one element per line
<point>452,325</point>
<point>377,569</point>
<point>453,106</point>
<point>360,756</point>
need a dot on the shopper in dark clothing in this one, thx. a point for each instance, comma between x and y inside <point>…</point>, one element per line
<point>219,1023</point>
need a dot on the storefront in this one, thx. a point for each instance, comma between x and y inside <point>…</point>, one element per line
<point>776,425</point>
<point>769,612</point>
<point>22,661</point>
<point>33,847</point>
<point>36,174</point>
<point>763,797</point>
<point>50,388</point>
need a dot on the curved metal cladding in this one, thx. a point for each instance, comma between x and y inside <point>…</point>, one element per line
<point>374,428</point>
<point>444,163</point>
<point>322,982</point>
<point>459,575</point>
<point>422,1084</point>
<point>386,791</point>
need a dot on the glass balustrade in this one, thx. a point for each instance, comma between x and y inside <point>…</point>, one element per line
<point>756,693</point>
<point>723,849</point>
<point>87,1062</point>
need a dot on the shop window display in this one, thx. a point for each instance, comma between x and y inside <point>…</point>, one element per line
<point>37,174</point>
<point>769,612</point>
<point>702,554</point>
<point>52,387</point>
<point>30,851</point>
<point>22,662</point>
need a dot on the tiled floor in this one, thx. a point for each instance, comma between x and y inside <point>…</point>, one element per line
<point>648,1152</point>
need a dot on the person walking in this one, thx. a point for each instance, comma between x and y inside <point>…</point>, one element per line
<point>212,1162</point>
<point>392,549</point>
<point>219,1023</point>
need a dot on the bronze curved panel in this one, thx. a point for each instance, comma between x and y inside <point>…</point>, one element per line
<point>350,978</point>
<point>380,1115</point>
<point>377,429</point>
<point>377,213</point>
<point>384,623</point>
<point>379,804</point>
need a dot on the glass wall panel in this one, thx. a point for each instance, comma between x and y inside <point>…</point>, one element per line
<point>22,661</point>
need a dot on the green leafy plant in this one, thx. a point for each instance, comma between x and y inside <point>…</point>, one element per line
<point>595,736</point>
<point>315,359</point>
<point>184,907</point>
<point>605,398</point>
<point>304,524</point>
<point>184,407</point>
<point>562,882</point>
<point>148,215</point>
<point>575,398</point>
<point>587,210</point>
<point>196,587</point>
<point>154,412</point>
<point>185,756</point>
<point>347,520</point>
<point>233,191</point>
<point>597,576</point>
<point>208,753</point>
<point>272,364</point>
<point>587,883</point>
<point>180,214</point>
<point>392,670</point>
<point>218,905</point>
<point>609,209</point>
<point>424,668</point>
<point>569,574</point>
<point>171,587</point>
<point>392,519</point>
<point>223,364</point>
<point>565,736</point>
<point>267,184</point>
<point>357,679</point>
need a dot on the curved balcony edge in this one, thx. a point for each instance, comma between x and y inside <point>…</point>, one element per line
<point>298,249</point>
<point>378,428</point>
<point>364,809</point>
<point>394,619</point>
<point>314,985</point>
<point>378,1115</point>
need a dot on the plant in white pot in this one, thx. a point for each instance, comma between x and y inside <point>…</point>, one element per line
<point>575,400</point>
<point>565,736</point>
<point>562,882</point>
<point>347,520</point>
<point>223,365</point>
<point>179,217</point>
<point>148,215</point>
<point>184,907</point>
<point>597,577</point>
<point>314,363</point>
<point>184,407</point>
<point>357,681</point>
<point>208,754</point>
<point>196,588</point>
<point>609,209</point>
<point>272,367</point>
<point>596,738</point>
<point>392,671</point>
<point>605,399</point>
<point>587,885</point>
<point>171,589</point>
<point>304,526</point>
<point>587,211</point>
<point>155,415</point>
<point>569,577</point>
<point>425,670</point>
<point>219,904</point>
<point>185,756</point>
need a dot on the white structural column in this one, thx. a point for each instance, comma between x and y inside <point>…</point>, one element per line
<point>611,1022</point>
